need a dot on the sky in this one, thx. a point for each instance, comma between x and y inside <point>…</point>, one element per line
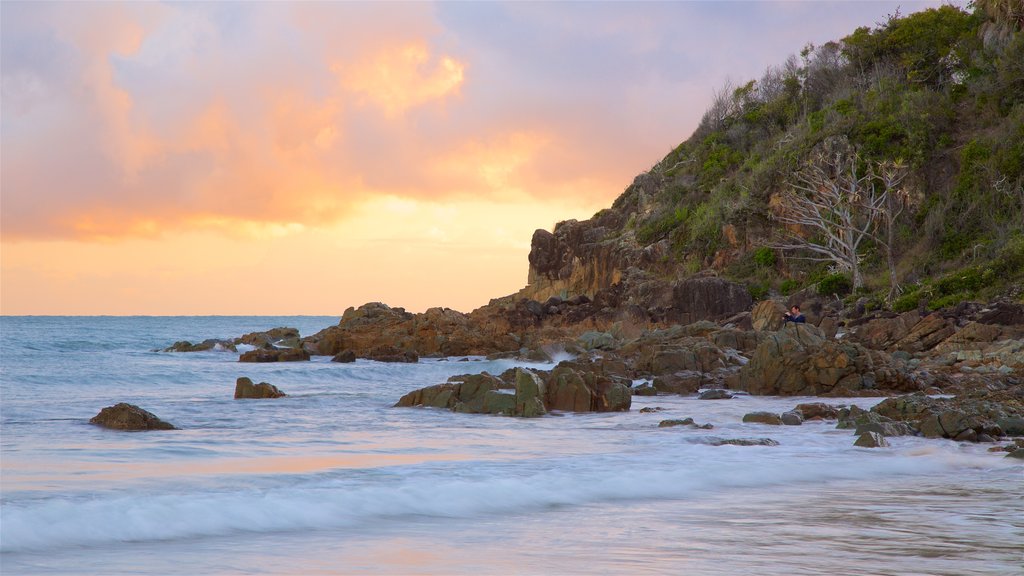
<point>300,158</point>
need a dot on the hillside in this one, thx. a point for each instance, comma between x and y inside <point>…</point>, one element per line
<point>928,108</point>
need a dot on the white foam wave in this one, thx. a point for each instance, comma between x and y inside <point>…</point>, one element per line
<point>108,519</point>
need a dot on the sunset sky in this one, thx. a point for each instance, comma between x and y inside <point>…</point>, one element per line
<point>300,158</point>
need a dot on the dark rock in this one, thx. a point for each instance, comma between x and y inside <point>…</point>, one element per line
<point>763,418</point>
<point>792,418</point>
<point>739,441</point>
<point>715,394</point>
<point>125,416</point>
<point>245,389</point>
<point>708,298</point>
<point>817,411</point>
<point>1003,313</point>
<point>871,440</point>
<point>1018,453</point>
<point>672,423</point>
<point>275,355</point>
<point>345,357</point>
<point>651,410</point>
<point>210,344</point>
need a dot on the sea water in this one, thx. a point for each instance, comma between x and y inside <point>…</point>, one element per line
<point>333,480</point>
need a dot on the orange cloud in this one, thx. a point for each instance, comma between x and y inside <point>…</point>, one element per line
<point>402,77</point>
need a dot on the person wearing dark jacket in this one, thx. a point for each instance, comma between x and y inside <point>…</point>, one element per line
<point>795,316</point>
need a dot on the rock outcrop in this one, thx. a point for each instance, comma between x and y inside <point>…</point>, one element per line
<point>570,387</point>
<point>245,389</point>
<point>125,416</point>
<point>798,360</point>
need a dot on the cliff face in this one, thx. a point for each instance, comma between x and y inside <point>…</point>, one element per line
<point>929,92</point>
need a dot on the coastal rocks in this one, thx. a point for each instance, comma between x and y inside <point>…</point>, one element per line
<point>931,330</point>
<point>792,418</point>
<point>970,417</point>
<point>684,422</point>
<point>769,418</point>
<point>715,441</point>
<point>275,355</point>
<point>208,344</point>
<point>123,416</point>
<point>392,354</point>
<point>436,332</point>
<point>871,440</point>
<point>282,337</point>
<point>245,389</point>
<point>715,394</point>
<point>570,387</point>
<point>707,298</point>
<point>593,340</point>
<point>577,387</point>
<point>686,382</point>
<point>483,394</point>
<point>817,411</point>
<point>884,333</point>
<point>344,357</point>
<point>798,360</point>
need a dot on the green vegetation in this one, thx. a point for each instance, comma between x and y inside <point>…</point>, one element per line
<point>941,91</point>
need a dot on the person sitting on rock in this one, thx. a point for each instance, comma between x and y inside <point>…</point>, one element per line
<point>795,316</point>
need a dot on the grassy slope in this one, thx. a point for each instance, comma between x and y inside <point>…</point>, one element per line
<point>941,90</point>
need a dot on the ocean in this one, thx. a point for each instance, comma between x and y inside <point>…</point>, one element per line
<point>333,480</point>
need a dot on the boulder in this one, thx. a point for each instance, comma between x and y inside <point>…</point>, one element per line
<point>817,411</point>
<point>707,298</point>
<point>274,355</point>
<point>871,440</point>
<point>345,357</point>
<point>767,315</point>
<point>792,418</point>
<point>245,389</point>
<point>1003,313</point>
<point>123,416</point>
<point>763,418</point>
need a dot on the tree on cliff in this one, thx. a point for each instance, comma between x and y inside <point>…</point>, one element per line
<point>836,202</point>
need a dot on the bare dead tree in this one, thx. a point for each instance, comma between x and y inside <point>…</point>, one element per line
<point>896,199</point>
<point>838,202</point>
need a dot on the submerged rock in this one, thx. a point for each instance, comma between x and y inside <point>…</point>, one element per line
<point>672,423</point>
<point>209,344</point>
<point>817,411</point>
<point>244,389</point>
<point>124,416</point>
<point>392,354</point>
<point>714,441</point>
<point>715,394</point>
<point>792,418</point>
